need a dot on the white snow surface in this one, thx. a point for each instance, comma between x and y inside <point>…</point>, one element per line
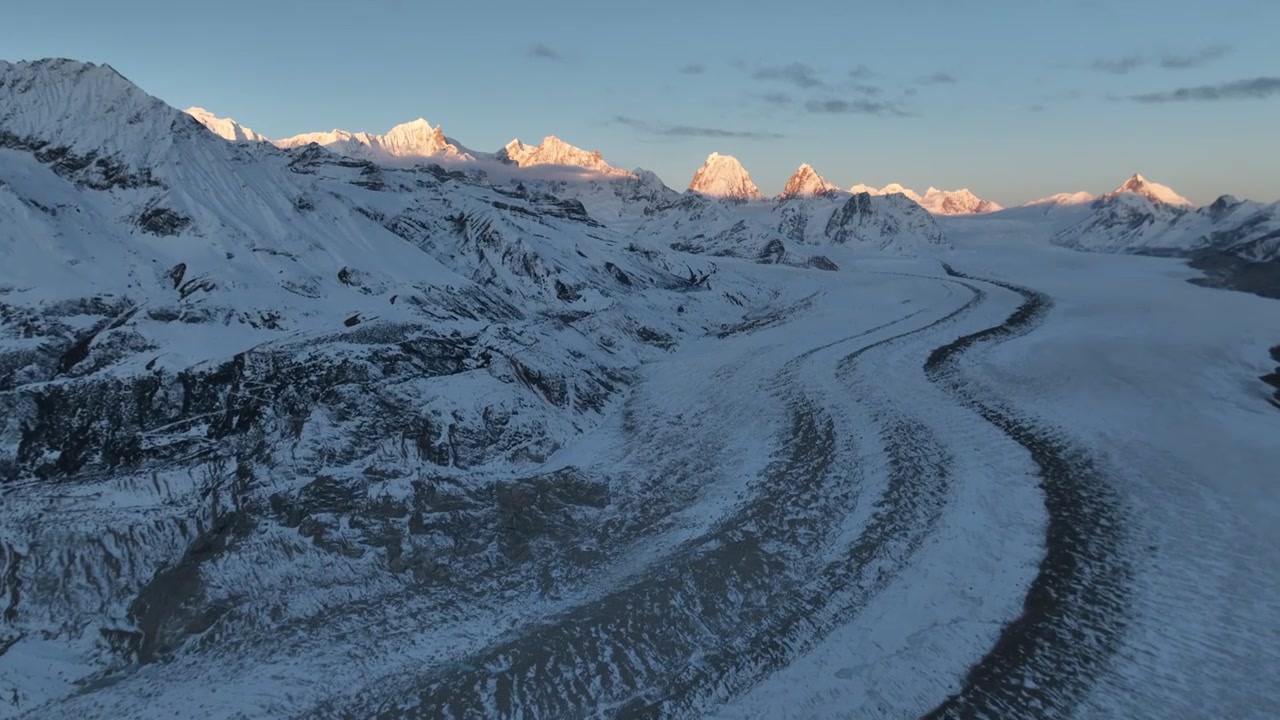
<point>418,442</point>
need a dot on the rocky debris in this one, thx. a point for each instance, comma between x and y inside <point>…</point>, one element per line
<point>162,221</point>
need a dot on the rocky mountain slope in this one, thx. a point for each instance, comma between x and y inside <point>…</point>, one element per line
<point>243,364</point>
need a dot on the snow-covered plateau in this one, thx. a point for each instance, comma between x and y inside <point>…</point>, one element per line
<point>379,426</point>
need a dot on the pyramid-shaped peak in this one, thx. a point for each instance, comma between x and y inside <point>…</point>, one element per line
<point>806,181</point>
<point>723,176</point>
<point>66,94</point>
<point>1153,191</point>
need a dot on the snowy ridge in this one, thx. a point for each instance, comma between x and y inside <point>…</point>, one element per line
<point>956,202</point>
<point>225,128</point>
<point>938,202</point>
<point>407,142</point>
<point>554,151</point>
<point>702,224</point>
<point>1064,199</point>
<point>890,189</point>
<point>1132,222</point>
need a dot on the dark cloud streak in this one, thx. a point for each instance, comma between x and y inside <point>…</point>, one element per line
<point>1118,66</point>
<point>833,106</point>
<point>693,69</point>
<point>1168,61</point>
<point>1196,59</point>
<point>938,78</point>
<point>545,52</point>
<point>1255,89</point>
<point>776,98</point>
<point>798,74</point>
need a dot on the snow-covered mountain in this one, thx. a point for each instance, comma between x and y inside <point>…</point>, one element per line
<point>890,189</point>
<point>554,151</point>
<point>225,128</point>
<point>409,142</point>
<point>201,339</point>
<point>701,224</point>
<point>722,176</point>
<point>806,181</point>
<point>1153,191</point>
<point>1131,221</point>
<point>938,202</point>
<point>956,202</point>
<point>1064,199</point>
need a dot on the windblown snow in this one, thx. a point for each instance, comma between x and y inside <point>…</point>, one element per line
<point>356,425</point>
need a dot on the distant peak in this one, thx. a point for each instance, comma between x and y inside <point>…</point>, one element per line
<point>1154,191</point>
<point>723,176</point>
<point>806,181</point>
<point>225,128</point>
<point>956,202</point>
<point>554,151</point>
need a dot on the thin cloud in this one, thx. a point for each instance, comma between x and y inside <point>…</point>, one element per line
<point>1168,61</point>
<point>545,52</point>
<point>1255,89</point>
<point>1203,56</point>
<point>1036,109</point>
<point>854,107</point>
<point>776,98</point>
<point>865,89</point>
<point>798,74</point>
<point>691,131</point>
<point>861,72</point>
<point>693,69</point>
<point>1118,66</point>
<point>938,78</point>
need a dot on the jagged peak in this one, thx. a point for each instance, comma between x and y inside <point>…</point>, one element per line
<point>554,151</point>
<point>956,202</point>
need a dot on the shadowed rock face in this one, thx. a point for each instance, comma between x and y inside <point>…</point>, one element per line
<point>1273,378</point>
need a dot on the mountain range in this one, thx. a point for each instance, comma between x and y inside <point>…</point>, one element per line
<point>720,176</point>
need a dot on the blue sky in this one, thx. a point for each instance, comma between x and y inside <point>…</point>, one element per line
<point>1015,100</point>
